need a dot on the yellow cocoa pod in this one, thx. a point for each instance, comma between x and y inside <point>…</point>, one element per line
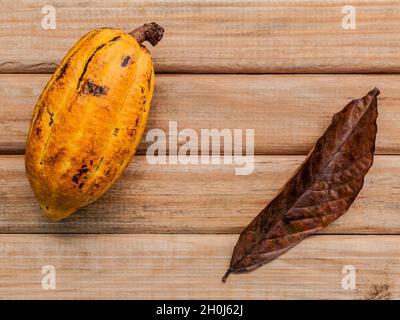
<point>90,118</point>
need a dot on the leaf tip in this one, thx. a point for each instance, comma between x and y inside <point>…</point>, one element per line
<point>226,275</point>
<point>374,92</point>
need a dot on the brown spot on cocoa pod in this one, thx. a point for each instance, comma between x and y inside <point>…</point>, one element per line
<point>83,170</point>
<point>81,185</point>
<point>39,113</point>
<point>125,61</point>
<point>38,132</point>
<point>131,131</point>
<point>51,115</point>
<point>53,158</point>
<point>116,130</point>
<point>94,89</point>
<point>62,71</point>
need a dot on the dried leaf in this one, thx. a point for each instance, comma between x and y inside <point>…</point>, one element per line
<point>321,190</point>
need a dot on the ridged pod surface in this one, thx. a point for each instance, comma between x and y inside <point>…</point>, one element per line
<point>90,118</point>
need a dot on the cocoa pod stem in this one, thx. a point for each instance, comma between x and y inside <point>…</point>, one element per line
<point>151,32</point>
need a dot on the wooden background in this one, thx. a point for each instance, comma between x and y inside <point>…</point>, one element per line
<point>167,231</point>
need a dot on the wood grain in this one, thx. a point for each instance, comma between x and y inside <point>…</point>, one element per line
<point>194,212</point>
<point>217,36</point>
<point>190,267</point>
<point>287,112</point>
<point>195,199</point>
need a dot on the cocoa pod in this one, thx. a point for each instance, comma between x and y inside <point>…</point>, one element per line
<point>90,118</point>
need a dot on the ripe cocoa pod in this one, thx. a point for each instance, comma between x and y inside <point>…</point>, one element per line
<point>90,118</point>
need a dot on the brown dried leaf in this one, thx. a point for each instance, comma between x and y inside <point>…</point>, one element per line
<point>321,190</point>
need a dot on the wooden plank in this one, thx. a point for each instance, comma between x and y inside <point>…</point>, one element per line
<point>287,112</point>
<point>191,266</point>
<point>216,36</point>
<point>195,199</point>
